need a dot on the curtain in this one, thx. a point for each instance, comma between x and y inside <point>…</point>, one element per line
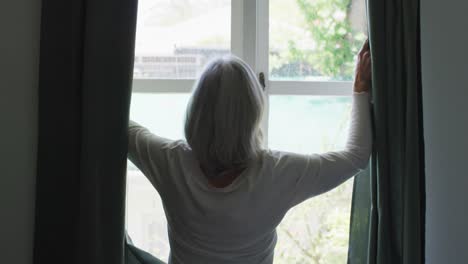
<point>388,210</point>
<point>86,64</point>
<point>134,255</point>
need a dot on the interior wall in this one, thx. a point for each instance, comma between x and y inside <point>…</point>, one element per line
<point>444,41</point>
<point>19,52</point>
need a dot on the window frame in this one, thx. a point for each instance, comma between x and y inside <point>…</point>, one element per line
<point>252,45</point>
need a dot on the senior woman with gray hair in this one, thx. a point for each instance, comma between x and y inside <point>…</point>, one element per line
<point>223,193</point>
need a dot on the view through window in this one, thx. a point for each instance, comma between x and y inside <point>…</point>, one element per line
<point>175,39</point>
<point>312,46</point>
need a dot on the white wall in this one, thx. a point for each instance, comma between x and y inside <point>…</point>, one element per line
<point>444,40</point>
<point>19,50</point>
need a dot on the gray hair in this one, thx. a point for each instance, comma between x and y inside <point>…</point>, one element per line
<point>223,118</point>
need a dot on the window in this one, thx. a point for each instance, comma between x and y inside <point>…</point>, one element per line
<point>176,38</point>
<point>306,50</point>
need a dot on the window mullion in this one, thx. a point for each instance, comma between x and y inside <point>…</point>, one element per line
<point>162,85</point>
<point>262,43</point>
<point>261,55</point>
<point>324,88</point>
<point>250,33</point>
<point>237,28</point>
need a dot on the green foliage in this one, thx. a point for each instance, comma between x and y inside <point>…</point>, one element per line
<point>316,231</point>
<point>330,28</point>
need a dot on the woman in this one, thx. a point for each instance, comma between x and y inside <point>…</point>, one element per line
<point>223,194</point>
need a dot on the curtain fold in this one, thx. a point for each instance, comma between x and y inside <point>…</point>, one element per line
<point>388,211</point>
<point>134,255</point>
<point>86,67</point>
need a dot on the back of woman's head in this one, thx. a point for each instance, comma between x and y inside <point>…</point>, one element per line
<point>223,119</point>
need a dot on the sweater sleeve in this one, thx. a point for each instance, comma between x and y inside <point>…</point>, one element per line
<point>149,153</point>
<point>310,175</point>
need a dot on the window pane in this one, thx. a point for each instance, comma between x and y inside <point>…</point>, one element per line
<point>316,124</point>
<point>317,228</point>
<point>163,114</point>
<point>146,223</point>
<point>315,39</point>
<point>175,38</point>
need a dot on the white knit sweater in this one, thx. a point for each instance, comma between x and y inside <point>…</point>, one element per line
<point>237,224</point>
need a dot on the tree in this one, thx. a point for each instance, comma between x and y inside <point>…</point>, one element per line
<point>328,22</point>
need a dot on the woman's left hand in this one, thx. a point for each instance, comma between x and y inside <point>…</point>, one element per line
<point>363,72</point>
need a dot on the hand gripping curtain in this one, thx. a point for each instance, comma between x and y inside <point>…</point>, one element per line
<point>387,219</point>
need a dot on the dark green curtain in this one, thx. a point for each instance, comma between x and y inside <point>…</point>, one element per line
<point>86,66</point>
<point>388,211</point>
<point>134,255</point>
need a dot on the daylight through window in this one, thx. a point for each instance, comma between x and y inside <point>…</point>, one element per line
<point>305,48</point>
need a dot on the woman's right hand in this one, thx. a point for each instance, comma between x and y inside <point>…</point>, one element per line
<point>363,71</point>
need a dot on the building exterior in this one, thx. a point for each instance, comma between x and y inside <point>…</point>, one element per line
<point>184,63</point>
